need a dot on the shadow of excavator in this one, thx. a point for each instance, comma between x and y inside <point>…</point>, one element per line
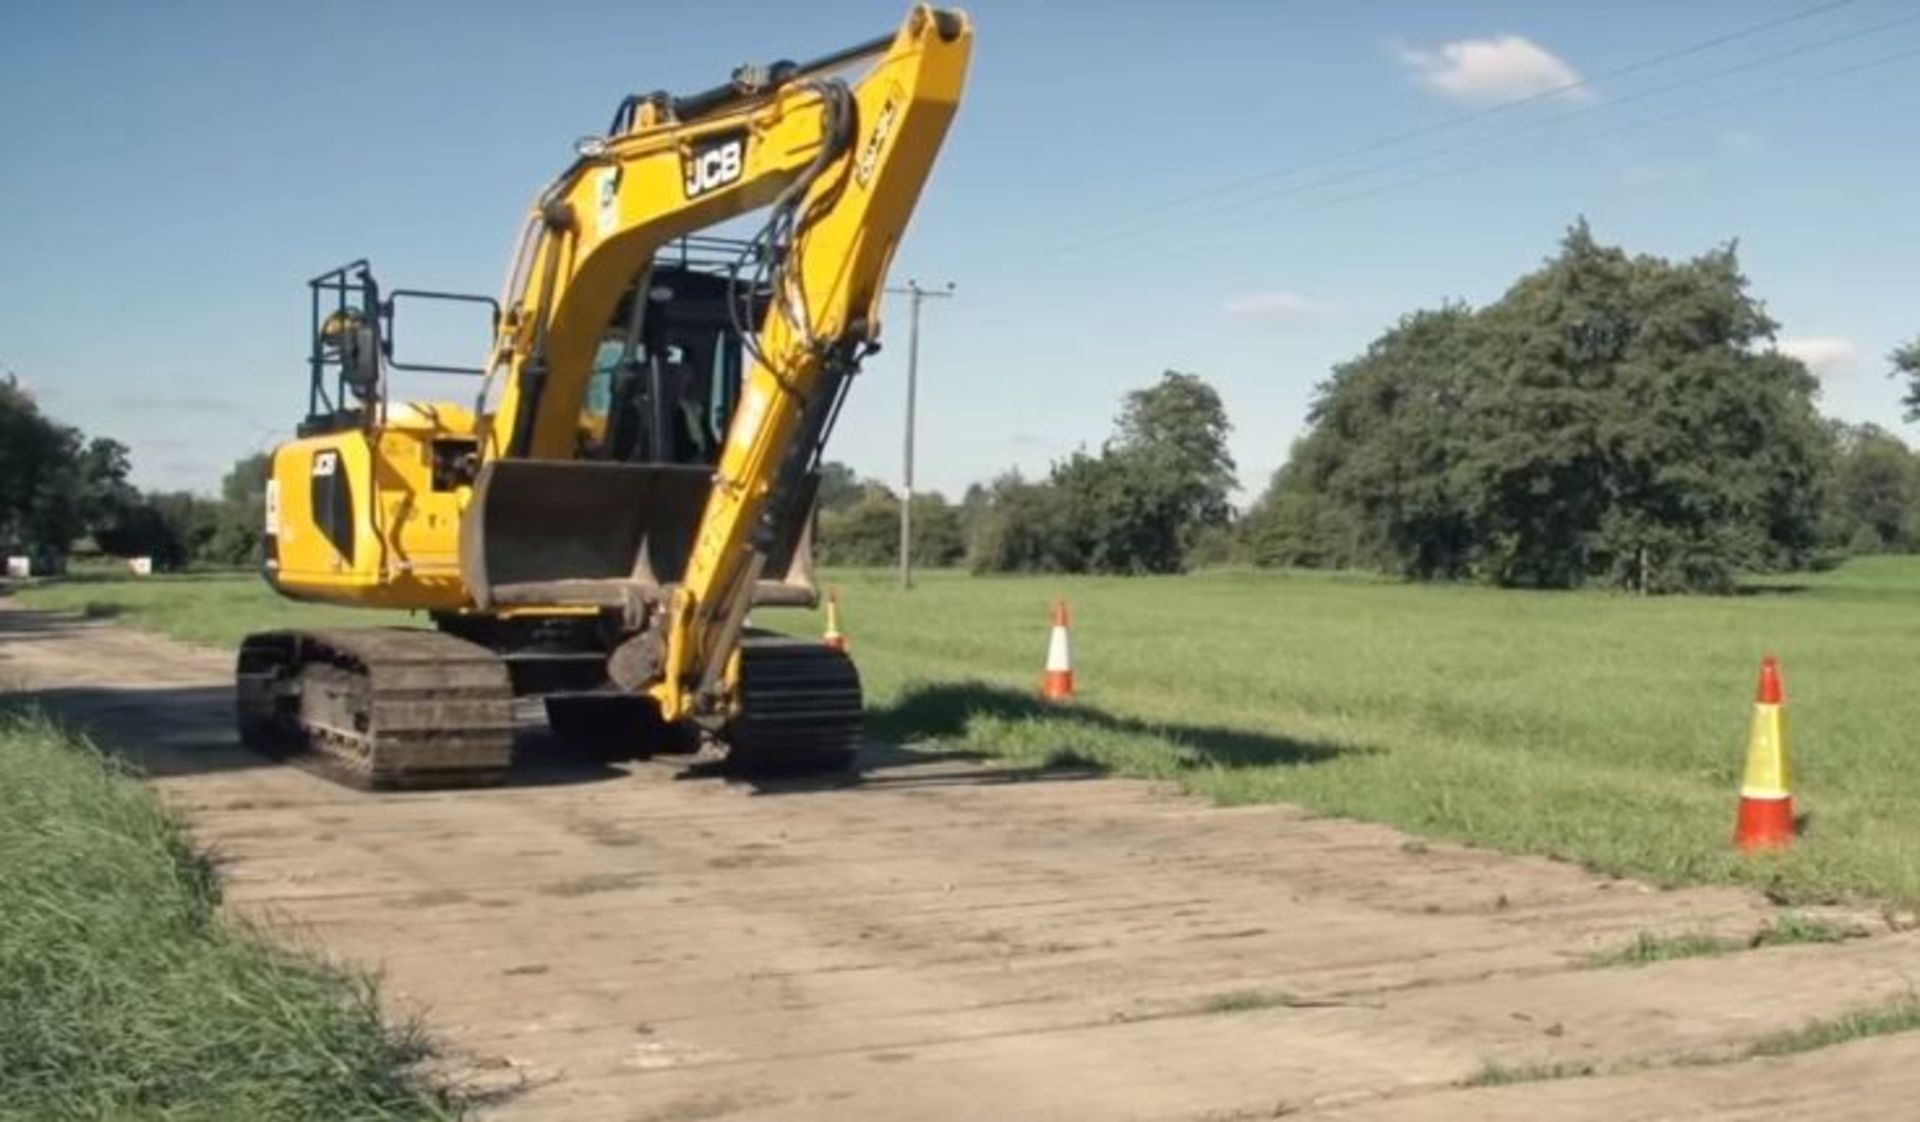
<point>912,742</point>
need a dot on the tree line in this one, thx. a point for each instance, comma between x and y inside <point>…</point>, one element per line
<point>1150,500</point>
<point>61,490</point>
<point>1613,419</point>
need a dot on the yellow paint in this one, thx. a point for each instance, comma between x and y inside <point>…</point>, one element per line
<point>1767,754</point>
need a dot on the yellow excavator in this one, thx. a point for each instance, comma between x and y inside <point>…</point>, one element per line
<point>637,467</point>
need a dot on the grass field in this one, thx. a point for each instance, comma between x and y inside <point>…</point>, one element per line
<point>123,995</point>
<point>1605,729</point>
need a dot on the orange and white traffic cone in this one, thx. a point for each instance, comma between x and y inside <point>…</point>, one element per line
<point>1057,683</point>
<point>833,639</point>
<point>1766,805</point>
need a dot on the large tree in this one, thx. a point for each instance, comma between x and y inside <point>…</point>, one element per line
<point>1176,432</point>
<point>1612,417</point>
<point>43,477</point>
<point>1139,505</point>
<point>1875,486</point>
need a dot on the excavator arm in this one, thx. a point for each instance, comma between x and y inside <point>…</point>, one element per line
<point>837,168</point>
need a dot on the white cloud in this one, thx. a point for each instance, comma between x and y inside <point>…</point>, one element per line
<point>1277,305</point>
<point>1742,141</point>
<point>1502,68</point>
<point>1825,357</point>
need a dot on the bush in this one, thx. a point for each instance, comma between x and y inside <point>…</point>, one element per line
<point>867,534</point>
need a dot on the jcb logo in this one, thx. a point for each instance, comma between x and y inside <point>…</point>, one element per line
<point>869,159</point>
<point>715,163</point>
<point>325,464</point>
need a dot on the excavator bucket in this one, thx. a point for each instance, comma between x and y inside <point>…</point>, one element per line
<point>586,533</point>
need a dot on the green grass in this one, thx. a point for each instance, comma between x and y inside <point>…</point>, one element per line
<point>1605,729</point>
<point>214,609</point>
<point>1247,1001</point>
<point>1504,1075</point>
<point>124,995</point>
<point>1901,1015</point>
<point>1897,1016</point>
<point>1793,927</point>
<point>1649,947</point>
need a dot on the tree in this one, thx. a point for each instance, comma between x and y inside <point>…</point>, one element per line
<point>1023,526</point>
<point>867,534</point>
<point>1296,524</point>
<point>105,494</point>
<point>149,527</point>
<point>839,487</point>
<point>1876,483</point>
<point>1906,364</point>
<point>239,521</point>
<point>1140,505</point>
<point>1384,475</point>
<point>42,491</point>
<point>1611,418</point>
<point>1174,433</point>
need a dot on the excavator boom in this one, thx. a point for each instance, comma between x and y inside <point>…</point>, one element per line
<point>838,168</point>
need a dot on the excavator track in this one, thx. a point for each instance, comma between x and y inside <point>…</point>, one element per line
<point>378,708</point>
<point>800,708</point>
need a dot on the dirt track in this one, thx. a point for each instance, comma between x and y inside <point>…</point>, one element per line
<point>947,940</point>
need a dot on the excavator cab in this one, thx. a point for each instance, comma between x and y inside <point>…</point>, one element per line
<point>613,527</point>
<point>667,375</point>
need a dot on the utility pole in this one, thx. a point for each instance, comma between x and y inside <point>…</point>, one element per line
<point>916,294</point>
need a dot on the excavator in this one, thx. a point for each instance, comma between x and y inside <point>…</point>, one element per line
<point>635,472</point>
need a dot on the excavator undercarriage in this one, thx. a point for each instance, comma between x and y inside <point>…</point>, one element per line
<point>403,708</point>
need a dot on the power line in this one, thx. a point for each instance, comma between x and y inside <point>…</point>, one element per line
<point>1158,216</point>
<point>1630,126</point>
<point>1480,142</point>
<point>1636,125</point>
<point>1495,110</point>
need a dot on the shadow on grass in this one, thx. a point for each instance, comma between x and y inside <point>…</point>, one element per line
<point>1770,589</point>
<point>942,712</point>
<point>912,744</point>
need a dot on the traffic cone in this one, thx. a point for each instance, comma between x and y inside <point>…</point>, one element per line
<point>1057,683</point>
<point>833,640</point>
<point>1766,806</point>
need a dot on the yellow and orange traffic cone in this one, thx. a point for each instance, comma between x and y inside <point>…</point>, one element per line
<point>1057,683</point>
<point>1766,805</point>
<point>833,639</point>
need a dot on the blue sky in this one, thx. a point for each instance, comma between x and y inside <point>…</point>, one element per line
<point>1248,191</point>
